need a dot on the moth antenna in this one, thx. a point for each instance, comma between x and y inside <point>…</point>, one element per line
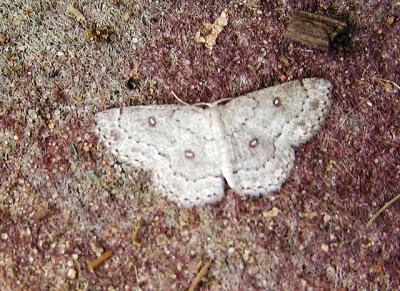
<point>179,99</point>
<point>185,103</point>
<point>222,100</point>
<point>214,103</point>
<point>203,104</point>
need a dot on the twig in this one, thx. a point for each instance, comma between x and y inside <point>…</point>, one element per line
<point>98,261</point>
<point>362,75</point>
<point>136,273</point>
<point>196,281</point>
<point>387,204</point>
<point>134,234</point>
<point>384,81</point>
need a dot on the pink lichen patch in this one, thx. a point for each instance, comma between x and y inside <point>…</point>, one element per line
<point>65,149</point>
<point>54,158</point>
<point>7,121</point>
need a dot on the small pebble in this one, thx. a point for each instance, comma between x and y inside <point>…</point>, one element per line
<point>246,255</point>
<point>71,273</point>
<point>326,218</point>
<point>390,20</point>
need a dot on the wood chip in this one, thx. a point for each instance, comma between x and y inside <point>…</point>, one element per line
<point>312,30</point>
<point>98,261</point>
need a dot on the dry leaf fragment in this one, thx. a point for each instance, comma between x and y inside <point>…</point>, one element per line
<point>3,39</point>
<point>212,31</point>
<point>126,16</point>
<point>42,212</point>
<point>76,13</point>
<point>271,213</point>
<point>330,165</point>
<point>390,20</point>
<point>285,61</point>
<point>99,34</point>
<point>134,234</point>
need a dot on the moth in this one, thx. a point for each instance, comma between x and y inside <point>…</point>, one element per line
<point>193,152</point>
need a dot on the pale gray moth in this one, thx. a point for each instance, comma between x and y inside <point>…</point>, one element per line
<point>192,151</point>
